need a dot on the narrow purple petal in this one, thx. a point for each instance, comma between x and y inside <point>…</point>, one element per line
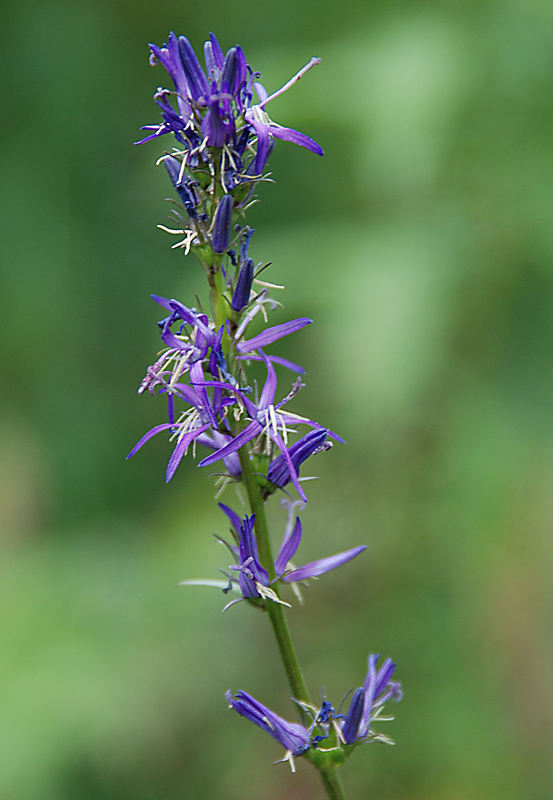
<point>171,407</point>
<point>195,77</point>
<point>271,335</point>
<point>163,301</point>
<point>291,419</point>
<point>147,436</point>
<point>218,56</point>
<point>235,520</point>
<point>262,92</point>
<point>180,450</point>
<point>211,67</point>
<point>275,360</point>
<point>351,723</point>
<point>293,474</point>
<point>369,685</point>
<point>384,674</point>
<point>291,735</point>
<point>188,394</point>
<point>263,142</point>
<point>249,433</point>
<point>290,135</point>
<point>288,548</point>
<point>323,565</point>
<point>269,389</point>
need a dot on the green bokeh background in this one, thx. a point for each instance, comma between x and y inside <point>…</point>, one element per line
<point>422,245</point>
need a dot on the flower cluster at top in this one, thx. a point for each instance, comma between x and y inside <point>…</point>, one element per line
<point>224,139</point>
<point>331,732</point>
<point>224,142</point>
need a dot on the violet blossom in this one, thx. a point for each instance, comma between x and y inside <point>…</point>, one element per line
<point>295,738</point>
<point>368,701</point>
<point>216,105</point>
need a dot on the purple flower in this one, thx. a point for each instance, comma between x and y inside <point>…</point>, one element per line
<point>198,421</point>
<point>368,701</point>
<point>291,735</point>
<point>216,105</point>
<point>266,418</point>
<point>253,579</point>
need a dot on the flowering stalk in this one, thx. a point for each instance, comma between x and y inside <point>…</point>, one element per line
<point>224,141</point>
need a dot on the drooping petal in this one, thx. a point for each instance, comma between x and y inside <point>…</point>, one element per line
<point>291,735</point>
<point>180,449</point>
<point>272,334</point>
<point>323,565</point>
<point>147,436</point>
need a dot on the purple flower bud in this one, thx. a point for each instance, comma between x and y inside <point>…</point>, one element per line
<point>230,71</point>
<point>351,724</point>
<point>222,224</point>
<point>241,295</point>
<point>195,77</point>
<point>279,471</point>
<point>186,194</point>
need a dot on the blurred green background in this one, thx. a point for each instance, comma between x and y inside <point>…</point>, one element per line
<point>422,245</point>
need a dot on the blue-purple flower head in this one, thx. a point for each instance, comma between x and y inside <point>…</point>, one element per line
<point>328,727</point>
<point>253,580</point>
<point>215,105</point>
<point>368,701</point>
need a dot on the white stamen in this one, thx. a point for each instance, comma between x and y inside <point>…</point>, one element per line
<point>269,594</point>
<point>292,81</point>
<point>267,284</point>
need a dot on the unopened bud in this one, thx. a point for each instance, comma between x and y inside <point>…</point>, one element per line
<point>241,296</point>
<point>222,224</point>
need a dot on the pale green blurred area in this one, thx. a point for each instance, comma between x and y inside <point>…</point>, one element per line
<point>422,245</point>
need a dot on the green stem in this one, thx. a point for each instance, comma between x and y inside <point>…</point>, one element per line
<point>274,610</point>
<point>332,784</point>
